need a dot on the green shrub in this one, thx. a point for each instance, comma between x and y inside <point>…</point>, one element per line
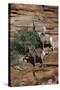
<point>21,40</point>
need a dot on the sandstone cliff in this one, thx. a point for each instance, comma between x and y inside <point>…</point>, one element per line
<point>23,14</point>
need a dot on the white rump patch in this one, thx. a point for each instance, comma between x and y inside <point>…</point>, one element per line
<point>43,53</point>
<point>51,39</point>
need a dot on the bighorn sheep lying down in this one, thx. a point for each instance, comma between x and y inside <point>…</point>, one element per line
<point>34,56</point>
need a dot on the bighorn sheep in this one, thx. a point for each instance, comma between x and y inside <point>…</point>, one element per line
<point>34,56</point>
<point>45,40</point>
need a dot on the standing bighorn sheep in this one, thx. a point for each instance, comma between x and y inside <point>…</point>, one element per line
<point>45,40</point>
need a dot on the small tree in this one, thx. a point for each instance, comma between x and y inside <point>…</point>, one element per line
<point>21,40</point>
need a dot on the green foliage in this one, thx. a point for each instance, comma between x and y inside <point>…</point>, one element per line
<point>21,40</point>
<point>24,38</point>
<point>13,57</point>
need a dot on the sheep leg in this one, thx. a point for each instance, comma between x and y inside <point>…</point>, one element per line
<point>34,60</point>
<point>51,46</point>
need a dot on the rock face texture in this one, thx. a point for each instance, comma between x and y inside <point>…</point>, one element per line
<point>24,14</point>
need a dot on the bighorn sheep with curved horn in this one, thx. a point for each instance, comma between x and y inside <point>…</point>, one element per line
<point>34,56</point>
